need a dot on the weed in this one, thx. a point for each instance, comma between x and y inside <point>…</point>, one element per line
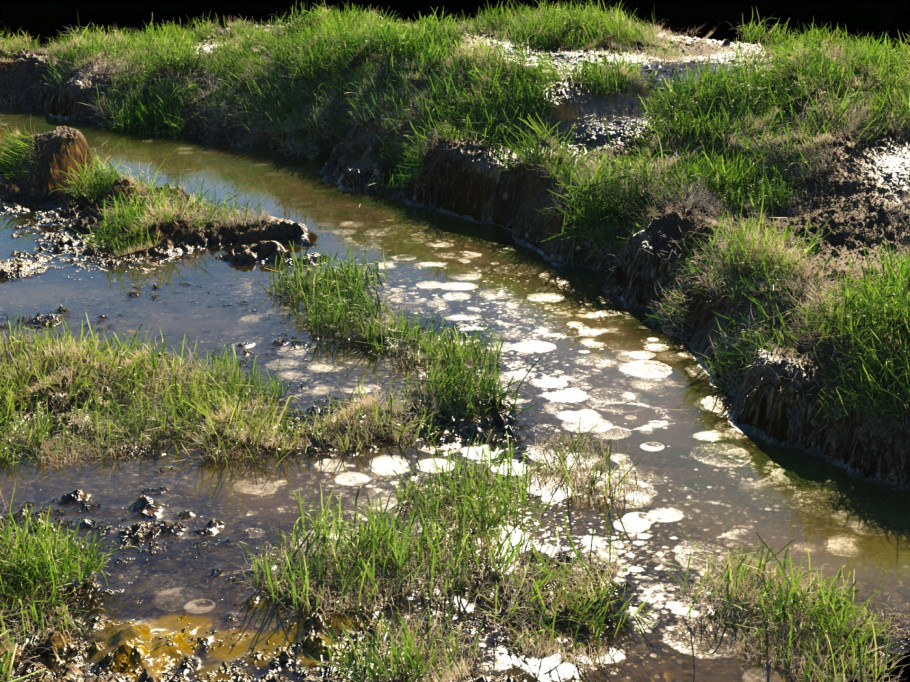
<point>792,618</point>
<point>15,154</point>
<point>458,375</point>
<point>66,397</point>
<point>92,182</point>
<point>610,76</point>
<point>44,570</point>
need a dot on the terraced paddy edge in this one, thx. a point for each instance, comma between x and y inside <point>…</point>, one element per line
<point>480,127</point>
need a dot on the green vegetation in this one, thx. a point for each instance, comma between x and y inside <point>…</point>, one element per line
<point>92,182</point>
<point>457,374</point>
<point>567,25</point>
<point>454,544</point>
<point>66,398</point>
<point>790,617</point>
<point>43,574</point>
<point>607,76</point>
<point>15,152</point>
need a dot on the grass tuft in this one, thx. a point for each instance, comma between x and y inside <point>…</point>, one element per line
<point>793,619</point>
<point>15,154</point>
<point>458,374</point>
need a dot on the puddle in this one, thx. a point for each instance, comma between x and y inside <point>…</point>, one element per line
<point>609,375</point>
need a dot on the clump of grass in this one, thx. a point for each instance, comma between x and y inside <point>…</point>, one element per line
<point>15,153</point>
<point>44,570</point>
<point>92,182</point>
<point>861,330</point>
<point>573,25</point>
<point>135,219</point>
<point>11,43</point>
<point>458,375</point>
<point>745,279</point>
<point>453,539</point>
<point>66,397</point>
<point>581,467</point>
<point>792,618</point>
<point>610,76</point>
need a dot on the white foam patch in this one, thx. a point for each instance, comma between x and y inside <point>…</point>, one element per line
<point>633,523</point>
<point>389,465</point>
<point>549,669</point>
<point>651,426</point>
<point>352,478</point>
<point>441,244</point>
<point>510,467</point>
<point>682,610</point>
<point>435,465</point>
<point>386,265</point>
<point>329,465</point>
<point>652,446</point>
<point>666,515</point>
<point>566,395</point>
<point>549,492</point>
<point>258,488</point>
<point>480,453</point>
<point>646,369</point>
<point>656,347</point>
<point>199,606</point>
<point>462,317</point>
<point>842,545</point>
<point>531,346</point>
<point>467,276</point>
<point>722,455</point>
<point>456,296</point>
<point>548,382</point>
<point>590,421</point>
<point>431,264</point>
<point>546,297</point>
<point>708,436</point>
<point>713,404</point>
<point>584,330</point>
<point>592,343</point>
<point>627,355</point>
<point>446,286</point>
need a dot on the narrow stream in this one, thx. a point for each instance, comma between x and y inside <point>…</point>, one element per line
<point>586,365</point>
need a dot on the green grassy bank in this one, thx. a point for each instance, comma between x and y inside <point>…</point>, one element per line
<point>744,141</point>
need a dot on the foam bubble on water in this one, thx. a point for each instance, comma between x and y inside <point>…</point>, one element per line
<point>389,465</point>
<point>446,286</point>
<point>530,346</point>
<point>329,465</point>
<point>652,426</point>
<point>588,420</point>
<point>592,343</point>
<point>510,467</point>
<point>386,265</point>
<point>627,355</point>
<point>656,347</point>
<point>584,330</point>
<point>251,319</point>
<point>258,488</point>
<point>463,317</point>
<point>441,244</point>
<point>480,453</point>
<point>842,545</point>
<point>633,523</point>
<point>665,515</point>
<point>430,264</point>
<point>646,369</point>
<point>681,609</point>
<point>721,455</point>
<point>466,276</point>
<point>708,436</point>
<point>549,669</point>
<point>549,492</point>
<point>652,446</point>
<point>548,382</point>
<point>566,395</point>
<point>199,606</point>
<point>435,465</point>
<point>352,478</point>
<point>470,254</point>
<point>545,297</point>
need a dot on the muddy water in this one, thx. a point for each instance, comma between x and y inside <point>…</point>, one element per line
<point>586,365</point>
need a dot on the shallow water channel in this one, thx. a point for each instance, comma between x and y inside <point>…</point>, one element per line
<point>586,365</point>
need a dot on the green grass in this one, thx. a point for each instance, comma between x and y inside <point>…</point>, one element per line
<point>44,571</point>
<point>92,182</point>
<point>861,334</point>
<point>607,76</point>
<point>15,154</point>
<point>13,42</point>
<point>457,375</point>
<point>790,617</point>
<point>69,397</point>
<point>452,539</point>
<point>566,25</point>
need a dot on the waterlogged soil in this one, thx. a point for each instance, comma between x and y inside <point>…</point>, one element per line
<point>181,534</point>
